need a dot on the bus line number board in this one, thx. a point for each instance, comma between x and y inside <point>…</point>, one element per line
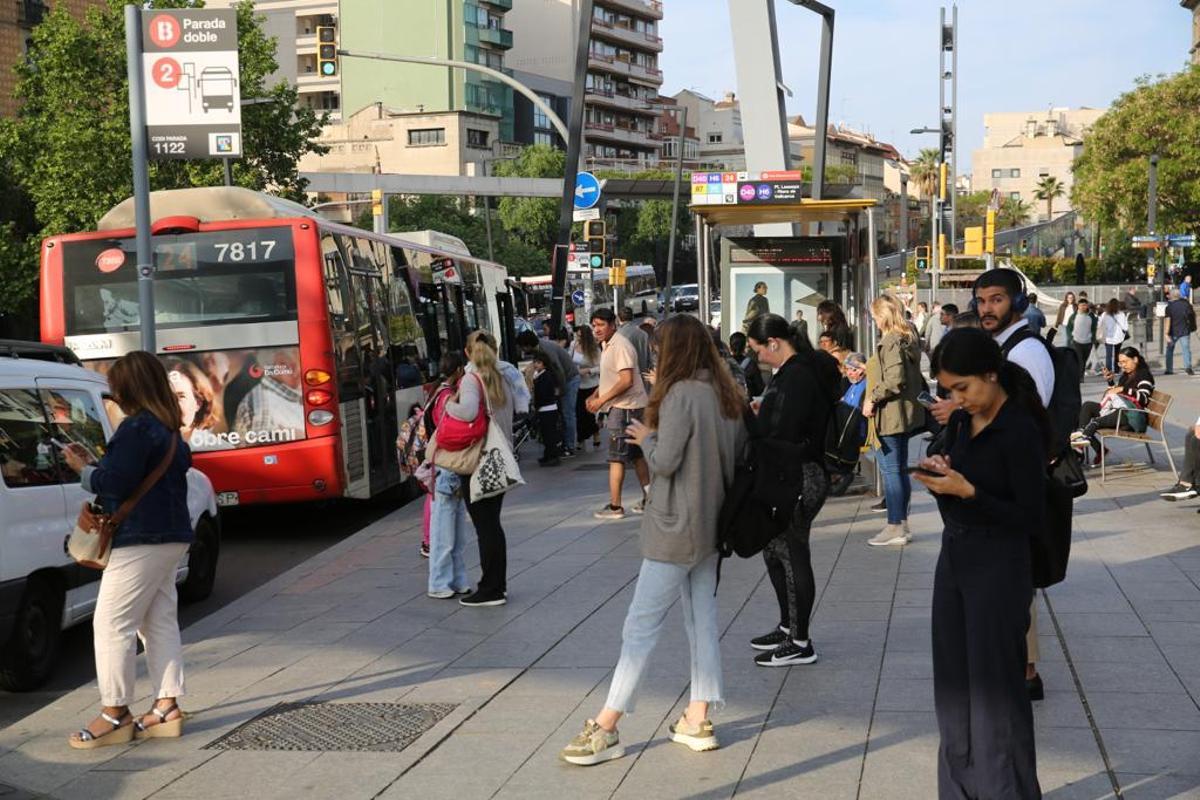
<point>191,77</point>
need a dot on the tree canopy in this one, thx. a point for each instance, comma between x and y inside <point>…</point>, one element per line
<point>66,155</point>
<point>1111,175</point>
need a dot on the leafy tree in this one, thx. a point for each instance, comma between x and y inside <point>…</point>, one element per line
<point>972,210</point>
<point>1049,188</point>
<point>1013,213</point>
<point>533,221</point>
<point>68,150</point>
<point>1159,116</point>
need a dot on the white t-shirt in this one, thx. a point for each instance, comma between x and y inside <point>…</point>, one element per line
<point>1031,354</point>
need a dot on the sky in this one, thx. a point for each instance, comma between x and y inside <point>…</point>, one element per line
<point>1014,55</point>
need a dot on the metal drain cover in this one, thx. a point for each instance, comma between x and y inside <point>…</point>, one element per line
<point>330,727</point>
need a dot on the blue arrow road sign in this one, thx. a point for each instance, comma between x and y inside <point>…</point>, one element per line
<point>587,190</point>
<point>577,297</point>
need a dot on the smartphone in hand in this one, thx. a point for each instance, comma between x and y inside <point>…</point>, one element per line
<point>926,472</point>
<point>926,399</point>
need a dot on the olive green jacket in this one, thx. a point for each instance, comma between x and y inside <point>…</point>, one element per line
<point>900,381</point>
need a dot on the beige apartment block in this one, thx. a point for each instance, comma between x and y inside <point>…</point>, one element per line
<point>294,23</point>
<point>1194,7</point>
<point>17,20</point>
<point>378,139</point>
<point>1020,148</point>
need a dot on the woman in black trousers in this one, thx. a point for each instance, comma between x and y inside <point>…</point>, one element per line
<point>990,487</point>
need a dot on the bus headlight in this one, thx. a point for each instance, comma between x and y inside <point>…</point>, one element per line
<point>320,417</point>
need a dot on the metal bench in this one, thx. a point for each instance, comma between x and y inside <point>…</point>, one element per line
<point>1156,415</point>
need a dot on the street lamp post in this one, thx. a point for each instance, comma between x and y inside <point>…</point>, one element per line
<point>935,224</point>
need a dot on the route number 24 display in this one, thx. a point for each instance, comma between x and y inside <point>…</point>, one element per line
<point>235,252</point>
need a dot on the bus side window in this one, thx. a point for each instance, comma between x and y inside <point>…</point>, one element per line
<point>410,351</point>
<point>340,323</point>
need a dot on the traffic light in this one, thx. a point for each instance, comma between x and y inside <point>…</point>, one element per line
<point>327,64</point>
<point>616,275</point>
<point>594,231</point>
<point>989,233</point>
<point>922,259</point>
<point>1024,246</point>
<point>943,170</point>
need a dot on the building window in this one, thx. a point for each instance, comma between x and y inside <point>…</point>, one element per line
<point>1043,172</point>
<point>1014,173</point>
<point>477,138</point>
<point>1014,195</point>
<point>422,137</point>
<point>996,173</point>
<point>542,137</point>
<point>716,138</point>
<point>540,120</point>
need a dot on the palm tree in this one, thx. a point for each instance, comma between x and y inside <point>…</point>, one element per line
<point>1013,213</point>
<point>1049,188</point>
<point>924,171</point>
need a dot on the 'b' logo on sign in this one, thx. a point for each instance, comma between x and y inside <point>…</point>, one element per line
<point>164,30</point>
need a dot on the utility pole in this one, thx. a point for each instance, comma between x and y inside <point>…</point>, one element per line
<point>141,175</point>
<point>675,211</point>
<point>903,237</point>
<point>558,282</point>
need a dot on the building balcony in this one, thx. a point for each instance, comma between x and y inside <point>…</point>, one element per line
<point>626,36</point>
<point>607,99</point>
<point>31,12</point>
<point>616,65</point>
<point>316,82</point>
<point>505,5</point>
<point>643,8</point>
<point>498,37</point>
<point>306,43</point>
<point>604,132</point>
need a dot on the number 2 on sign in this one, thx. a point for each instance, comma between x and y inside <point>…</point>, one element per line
<point>166,72</point>
<point>239,251</point>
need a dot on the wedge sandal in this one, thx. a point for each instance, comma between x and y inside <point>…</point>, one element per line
<point>164,728</point>
<point>120,734</point>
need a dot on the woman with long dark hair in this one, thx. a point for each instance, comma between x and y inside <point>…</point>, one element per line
<point>791,422</point>
<point>1113,328</point>
<point>990,485</point>
<point>1065,308</point>
<point>1128,394</point>
<point>137,597</point>
<point>690,439</point>
<point>833,320</point>
<point>586,353</point>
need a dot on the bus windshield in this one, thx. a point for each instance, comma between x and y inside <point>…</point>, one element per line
<point>221,277</point>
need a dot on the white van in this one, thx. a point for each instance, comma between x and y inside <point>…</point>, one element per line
<point>44,405</point>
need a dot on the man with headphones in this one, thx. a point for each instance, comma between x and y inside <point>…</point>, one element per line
<point>1000,300</point>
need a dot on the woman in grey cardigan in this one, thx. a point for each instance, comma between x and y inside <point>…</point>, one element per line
<point>692,432</point>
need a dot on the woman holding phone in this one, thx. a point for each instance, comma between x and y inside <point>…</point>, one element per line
<point>989,481</point>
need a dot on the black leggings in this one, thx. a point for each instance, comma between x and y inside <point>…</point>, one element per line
<point>789,560</point>
<point>493,551</point>
<point>1091,420</point>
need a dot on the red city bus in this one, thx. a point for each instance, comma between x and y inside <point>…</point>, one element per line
<point>296,345</point>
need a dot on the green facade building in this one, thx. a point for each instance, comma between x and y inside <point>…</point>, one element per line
<point>463,30</point>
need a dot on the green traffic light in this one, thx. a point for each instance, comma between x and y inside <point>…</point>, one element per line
<point>328,68</point>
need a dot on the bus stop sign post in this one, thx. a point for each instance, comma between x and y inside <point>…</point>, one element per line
<point>141,175</point>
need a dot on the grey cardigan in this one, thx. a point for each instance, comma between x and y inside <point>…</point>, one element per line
<point>691,459</point>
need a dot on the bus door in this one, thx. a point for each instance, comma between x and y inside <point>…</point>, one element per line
<point>508,328</point>
<point>379,382</point>
<point>457,311</point>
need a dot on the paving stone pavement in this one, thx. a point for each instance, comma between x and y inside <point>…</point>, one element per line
<point>1120,643</point>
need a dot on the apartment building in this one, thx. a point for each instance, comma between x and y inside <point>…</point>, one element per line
<point>621,114</point>
<point>718,128</point>
<point>17,20</point>
<point>1194,7</point>
<point>293,24</point>
<point>1021,148</point>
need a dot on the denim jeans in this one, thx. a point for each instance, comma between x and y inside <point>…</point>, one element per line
<point>897,486</point>
<point>1110,356</point>
<point>658,586</point>
<point>1185,343</point>
<point>448,532</point>
<point>566,404</point>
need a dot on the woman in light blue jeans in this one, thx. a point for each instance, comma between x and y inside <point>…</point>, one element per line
<point>448,528</point>
<point>692,432</point>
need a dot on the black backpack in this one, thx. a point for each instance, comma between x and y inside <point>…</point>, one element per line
<point>760,503</point>
<point>1066,399</point>
<point>1051,548</point>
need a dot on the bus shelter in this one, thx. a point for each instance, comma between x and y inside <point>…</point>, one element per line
<point>799,271</point>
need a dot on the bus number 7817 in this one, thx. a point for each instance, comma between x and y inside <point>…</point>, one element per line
<point>239,251</point>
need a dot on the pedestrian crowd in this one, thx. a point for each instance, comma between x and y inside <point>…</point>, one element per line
<point>735,448</point>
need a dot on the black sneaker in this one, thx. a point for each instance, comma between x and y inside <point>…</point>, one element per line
<point>772,640</point>
<point>1179,492</point>
<point>880,507</point>
<point>568,453</point>
<point>788,654</point>
<point>480,599</point>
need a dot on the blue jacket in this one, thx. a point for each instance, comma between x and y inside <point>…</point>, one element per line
<point>137,447</point>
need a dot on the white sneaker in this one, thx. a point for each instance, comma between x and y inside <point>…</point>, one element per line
<point>891,534</point>
<point>639,507</point>
<point>445,594</point>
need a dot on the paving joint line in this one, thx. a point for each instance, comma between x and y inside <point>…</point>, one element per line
<point>1087,709</point>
